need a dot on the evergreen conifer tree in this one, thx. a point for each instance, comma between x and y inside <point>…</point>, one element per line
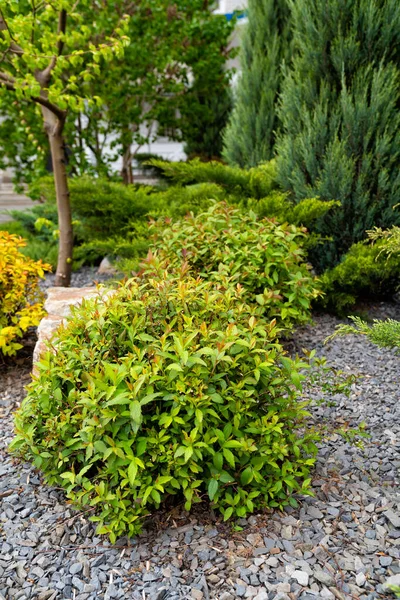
<point>340,111</point>
<point>266,46</point>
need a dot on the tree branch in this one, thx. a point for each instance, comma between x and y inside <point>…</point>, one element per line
<point>62,26</point>
<point>58,112</point>
<point>43,77</point>
<point>14,47</point>
<point>7,78</point>
<point>9,83</point>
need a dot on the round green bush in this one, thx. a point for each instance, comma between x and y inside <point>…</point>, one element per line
<point>264,256</point>
<point>169,387</point>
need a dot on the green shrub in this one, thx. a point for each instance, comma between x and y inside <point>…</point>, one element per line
<point>339,108</point>
<point>264,49</point>
<point>261,255</point>
<point>169,387</point>
<point>365,272</point>
<point>385,334</point>
<point>112,219</point>
<point>14,228</point>
<point>278,204</point>
<point>28,219</point>
<point>254,189</point>
<point>253,183</point>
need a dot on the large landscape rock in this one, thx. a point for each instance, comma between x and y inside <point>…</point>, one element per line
<point>58,307</point>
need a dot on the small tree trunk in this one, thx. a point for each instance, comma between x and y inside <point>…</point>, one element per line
<point>54,129</point>
<point>127,172</point>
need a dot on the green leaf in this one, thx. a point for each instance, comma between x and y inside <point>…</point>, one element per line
<point>149,398</point>
<point>174,367</point>
<point>226,478</point>
<point>141,447</point>
<point>135,411</point>
<point>246,476</point>
<point>233,444</point>
<point>212,488</point>
<point>188,453</point>
<point>132,472</point>
<point>228,513</point>
<point>120,399</point>
<point>156,496</point>
<point>218,461</point>
<point>296,379</point>
<point>229,457</point>
<point>180,451</point>
<point>68,475</point>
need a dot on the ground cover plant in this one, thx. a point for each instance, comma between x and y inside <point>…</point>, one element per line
<point>21,304</point>
<point>172,386</point>
<point>266,258</point>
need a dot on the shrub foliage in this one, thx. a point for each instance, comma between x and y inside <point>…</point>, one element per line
<point>112,219</point>
<point>20,296</point>
<point>263,256</point>
<point>169,387</point>
<point>340,116</point>
<point>385,334</point>
<point>365,272</point>
<point>265,48</point>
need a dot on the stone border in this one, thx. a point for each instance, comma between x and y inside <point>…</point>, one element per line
<point>58,307</point>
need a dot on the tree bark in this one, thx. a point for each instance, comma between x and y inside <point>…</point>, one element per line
<point>127,172</point>
<point>54,128</point>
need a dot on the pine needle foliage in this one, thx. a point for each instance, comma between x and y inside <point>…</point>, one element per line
<point>253,183</point>
<point>385,334</point>
<point>340,116</point>
<point>390,239</point>
<point>266,45</point>
<point>365,272</point>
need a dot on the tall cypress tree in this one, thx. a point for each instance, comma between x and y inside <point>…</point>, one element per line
<point>340,110</point>
<point>250,136</point>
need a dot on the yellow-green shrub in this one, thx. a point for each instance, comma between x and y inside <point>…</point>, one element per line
<point>171,387</point>
<point>20,297</point>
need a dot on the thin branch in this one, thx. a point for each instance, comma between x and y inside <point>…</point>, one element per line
<point>7,78</point>
<point>43,77</point>
<point>14,47</point>
<point>62,26</point>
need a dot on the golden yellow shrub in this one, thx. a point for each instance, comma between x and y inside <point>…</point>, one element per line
<point>21,300</point>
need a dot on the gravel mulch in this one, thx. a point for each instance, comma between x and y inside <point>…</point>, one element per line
<point>344,543</point>
<point>86,276</point>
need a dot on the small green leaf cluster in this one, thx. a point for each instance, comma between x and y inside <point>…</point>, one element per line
<point>36,43</point>
<point>263,256</point>
<point>173,386</point>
